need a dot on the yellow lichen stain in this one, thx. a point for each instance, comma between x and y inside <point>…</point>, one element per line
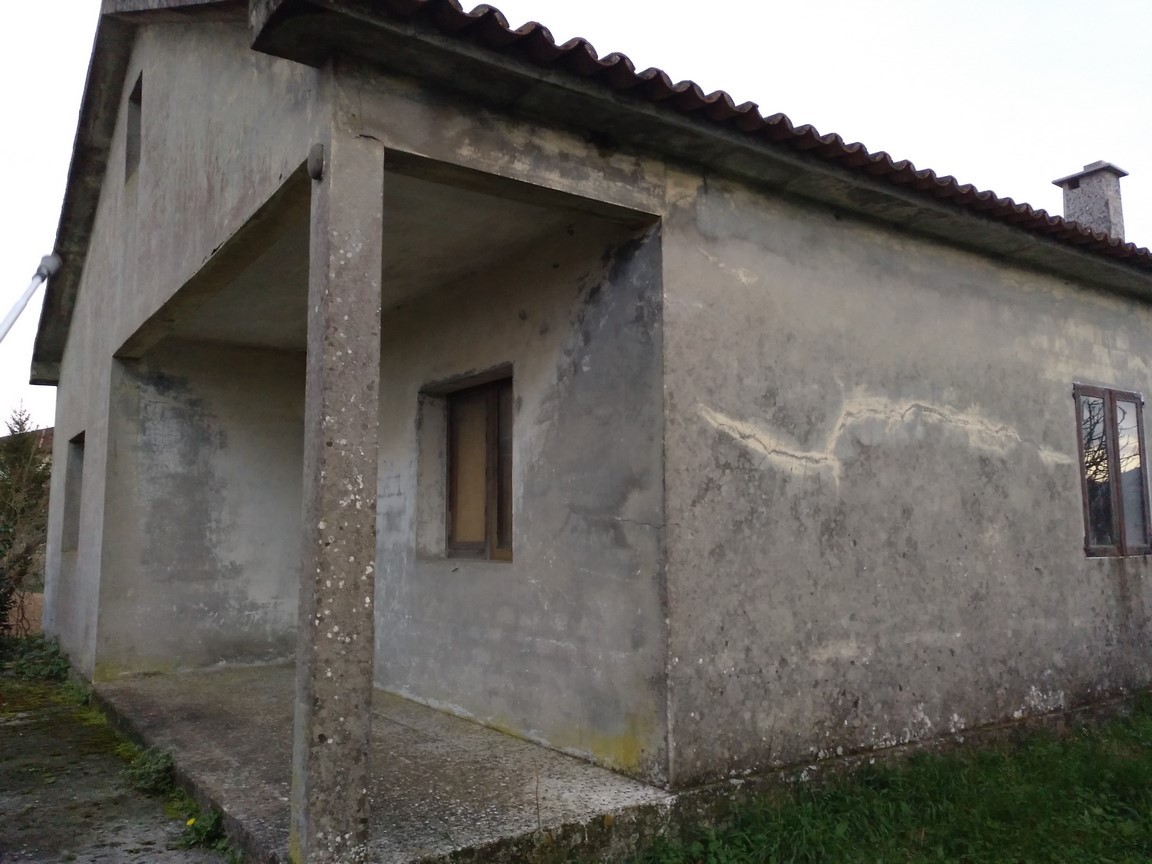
<point>294,856</point>
<point>681,189</point>
<point>499,725</point>
<point>608,820</point>
<point>102,672</point>
<point>622,752</point>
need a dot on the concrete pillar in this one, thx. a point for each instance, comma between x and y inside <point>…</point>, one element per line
<point>330,777</point>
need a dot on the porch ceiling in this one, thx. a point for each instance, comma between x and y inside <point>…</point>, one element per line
<point>434,234</point>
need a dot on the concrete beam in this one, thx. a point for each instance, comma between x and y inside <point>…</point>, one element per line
<point>178,10</point>
<point>277,215</point>
<point>335,640</point>
<point>311,31</point>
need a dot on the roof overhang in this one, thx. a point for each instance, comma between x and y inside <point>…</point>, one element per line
<point>479,56</point>
<point>94,130</point>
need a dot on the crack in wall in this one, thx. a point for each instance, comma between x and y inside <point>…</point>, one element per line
<point>763,441</point>
<point>868,421</point>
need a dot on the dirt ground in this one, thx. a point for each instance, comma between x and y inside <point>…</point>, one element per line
<point>63,794</point>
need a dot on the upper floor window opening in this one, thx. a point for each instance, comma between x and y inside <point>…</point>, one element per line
<point>133,130</point>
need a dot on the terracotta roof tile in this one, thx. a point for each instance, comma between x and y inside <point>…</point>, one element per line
<point>487,26</point>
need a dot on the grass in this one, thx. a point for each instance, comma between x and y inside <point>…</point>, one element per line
<point>152,773</point>
<point>1085,798</point>
<point>1082,799</point>
<point>148,771</point>
<point>202,830</point>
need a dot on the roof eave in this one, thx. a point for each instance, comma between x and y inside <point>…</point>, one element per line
<point>477,55</point>
<point>178,10</point>
<point>91,145</point>
<point>99,108</point>
<point>533,81</point>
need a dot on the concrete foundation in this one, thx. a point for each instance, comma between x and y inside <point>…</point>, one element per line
<point>451,790</point>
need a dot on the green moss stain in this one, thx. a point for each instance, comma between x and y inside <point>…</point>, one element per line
<point>17,696</point>
<point>59,714</point>
<point>90,716</point>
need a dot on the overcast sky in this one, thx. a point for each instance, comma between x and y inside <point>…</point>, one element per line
<point>1005,94</point>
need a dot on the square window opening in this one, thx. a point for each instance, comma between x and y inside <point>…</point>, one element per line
<point>1110,435</point>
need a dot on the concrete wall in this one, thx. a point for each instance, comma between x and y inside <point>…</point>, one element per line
<point>201,555</point>
<point>223,127</point>
<point>71,565</point>
<point>420,120</point>
<point>203,171</point>
<point>566,643</point>
<point>873,502</point>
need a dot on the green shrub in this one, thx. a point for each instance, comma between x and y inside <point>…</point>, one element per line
<point>25,474</point>
<point>148,771</point>
<point>33,658</point>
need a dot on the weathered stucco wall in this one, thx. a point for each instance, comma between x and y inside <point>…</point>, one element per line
<point>873,501</point>
<point>565,644</point>
<point>443,127</point>
<point>203,171</point>
<point>201,558</point>
<point>862,445</point>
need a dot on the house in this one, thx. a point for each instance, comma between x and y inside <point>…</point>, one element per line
<point>620,417</point>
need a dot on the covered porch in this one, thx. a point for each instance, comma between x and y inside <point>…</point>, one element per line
<point>305,370</point>
<point>450,788</point>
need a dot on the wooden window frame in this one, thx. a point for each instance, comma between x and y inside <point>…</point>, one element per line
<point>490,548</point>
<point>1122,547</point>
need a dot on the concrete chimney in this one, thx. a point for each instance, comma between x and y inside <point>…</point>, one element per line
<point>1092,198</point>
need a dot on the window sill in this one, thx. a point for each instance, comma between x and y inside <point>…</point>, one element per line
<point>444,561</point>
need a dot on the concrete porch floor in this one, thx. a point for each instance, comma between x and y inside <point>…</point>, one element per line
<point>443,787</point>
